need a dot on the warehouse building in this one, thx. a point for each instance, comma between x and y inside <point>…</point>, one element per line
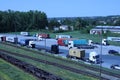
<point>99,29</point>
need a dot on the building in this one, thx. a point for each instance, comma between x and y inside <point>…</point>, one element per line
<point>99,29</point>
<point>64,27</point>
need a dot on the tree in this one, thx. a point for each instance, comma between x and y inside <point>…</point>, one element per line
<point>11,21</point>
<point>53,23</point>
<point>80,24</point>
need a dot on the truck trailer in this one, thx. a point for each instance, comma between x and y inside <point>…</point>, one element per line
<point>80,43</point>
<point>63,36</point>
<point>64,41</point>
<point>81,55</point>
<point>76,53</point>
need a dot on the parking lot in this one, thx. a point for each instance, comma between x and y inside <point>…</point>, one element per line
<point>108,59</point>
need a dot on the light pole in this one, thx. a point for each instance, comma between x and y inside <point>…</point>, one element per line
<point>101,37</point>
<point>45,44</point>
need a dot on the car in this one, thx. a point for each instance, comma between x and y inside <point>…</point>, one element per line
<point>113,52</point>
<point>115,66</point>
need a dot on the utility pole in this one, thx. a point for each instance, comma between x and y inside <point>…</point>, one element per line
<point>101,37</point>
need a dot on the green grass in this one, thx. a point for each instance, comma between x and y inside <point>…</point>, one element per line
<point>20,51</point>
<point>67,75</point>
<point>49,58</point>
<point>10,72</point>
<point>64,74</point>
<point>47,67</point>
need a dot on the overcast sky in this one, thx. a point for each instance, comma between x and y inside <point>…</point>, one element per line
<point>65,8</point>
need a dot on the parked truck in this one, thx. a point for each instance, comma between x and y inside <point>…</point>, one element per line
<point>94,57</point>
<point>64,41</point>
<point>80,43</point>
<point>81,55</point>
<point>63,36</point>
<point>43,35</point>
<point>12,39</point>
<point>24,33</point>
<point>76,53</point>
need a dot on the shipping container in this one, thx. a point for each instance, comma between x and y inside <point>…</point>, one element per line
<point>12,39</point>
<point>24,33</point>
<point>55,49</point>
<point>117,39</point>
<point>63,36</point>
<point>44,35</point>
<point>24,42</point>
<point>76,53</point>
<point>76,43</point>
<point>60,41</point>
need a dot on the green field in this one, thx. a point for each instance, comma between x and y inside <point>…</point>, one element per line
<point>10,72</point>
<point>65,74</point>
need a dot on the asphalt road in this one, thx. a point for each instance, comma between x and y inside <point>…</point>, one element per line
<point>107,59</point>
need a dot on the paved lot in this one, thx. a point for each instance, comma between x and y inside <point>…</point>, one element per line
<point>107,58</point>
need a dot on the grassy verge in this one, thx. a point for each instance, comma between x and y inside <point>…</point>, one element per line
<point>48,58</point>
<point>65,74</point>
<point>10,72</point>
<point>49,68</point>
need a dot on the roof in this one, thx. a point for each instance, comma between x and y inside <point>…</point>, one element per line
<point>107,27</point>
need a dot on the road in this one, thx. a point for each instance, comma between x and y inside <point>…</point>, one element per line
<point>107,59</point>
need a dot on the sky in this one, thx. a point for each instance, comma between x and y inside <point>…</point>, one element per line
<point>65,8</point>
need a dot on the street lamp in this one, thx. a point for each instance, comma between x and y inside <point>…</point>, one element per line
<point>101,52</point>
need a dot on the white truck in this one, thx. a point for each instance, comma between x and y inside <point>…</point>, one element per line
<point>81,43</point>
<point>93,57</point>
<point>24,33</point>
<point>104,42</point>
<point>31,44</point>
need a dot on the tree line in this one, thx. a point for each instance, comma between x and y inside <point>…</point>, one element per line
<point>12,21</point>
<point>16,21</point>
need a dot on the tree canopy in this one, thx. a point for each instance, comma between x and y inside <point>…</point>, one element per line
<point>11,21</point>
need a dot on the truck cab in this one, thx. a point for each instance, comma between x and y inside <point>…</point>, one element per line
<point>104,42</point>
<point>93,57</point>
<point>70,44</point>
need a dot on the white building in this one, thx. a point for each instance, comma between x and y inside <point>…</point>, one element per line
<point>99,29</point>
<point>64,27</point>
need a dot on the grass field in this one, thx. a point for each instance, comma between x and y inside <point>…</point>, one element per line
<point>66,75</point>
<point>10,72</point>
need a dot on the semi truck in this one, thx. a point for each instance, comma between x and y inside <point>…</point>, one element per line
<point>81,55</point>
<point>80,43</point>
<point>64,41</point>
